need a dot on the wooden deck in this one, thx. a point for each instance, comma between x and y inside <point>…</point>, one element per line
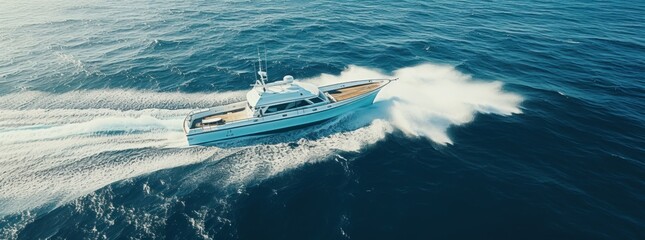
<point>236,115</point>
<point>350,92</point>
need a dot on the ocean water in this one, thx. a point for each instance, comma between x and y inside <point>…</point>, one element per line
<point>511,120</point>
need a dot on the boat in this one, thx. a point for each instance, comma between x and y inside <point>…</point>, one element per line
<point>279,106</point>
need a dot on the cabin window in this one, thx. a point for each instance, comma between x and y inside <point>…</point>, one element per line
<point>286,106</point>
<point>277,108</point>
<point>302,103</point>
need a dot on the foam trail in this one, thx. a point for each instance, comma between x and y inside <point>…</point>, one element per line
<point>106,124</point>
<point>57,147</point>
<point>55,150</point>
<point>53,162</point>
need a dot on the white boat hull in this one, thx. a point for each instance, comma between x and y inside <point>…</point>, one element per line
<point>268,124</point>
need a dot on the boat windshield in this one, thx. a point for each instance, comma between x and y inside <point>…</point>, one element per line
<point>321,95</point>
<point>316,100</point>
<point>321,98</point>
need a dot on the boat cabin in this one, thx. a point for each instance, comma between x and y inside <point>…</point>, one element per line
<point>284,95</point>
<point>280,97</point>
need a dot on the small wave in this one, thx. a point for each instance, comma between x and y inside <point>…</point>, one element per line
<point>70,59</point>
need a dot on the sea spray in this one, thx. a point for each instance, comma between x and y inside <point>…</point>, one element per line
<point>428,99</point>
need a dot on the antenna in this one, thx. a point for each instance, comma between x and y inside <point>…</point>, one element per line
<point>255,70</point>
<point>263,74</point>
<point>266,64</point>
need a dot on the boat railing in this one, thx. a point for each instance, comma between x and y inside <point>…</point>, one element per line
<point>354,83</point>
<point>187,119</point>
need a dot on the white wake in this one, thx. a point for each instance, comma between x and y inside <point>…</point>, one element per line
<point>57,147</point>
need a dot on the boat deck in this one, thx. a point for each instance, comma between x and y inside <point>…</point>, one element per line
<point>353,91</point>
<point>235,115</point>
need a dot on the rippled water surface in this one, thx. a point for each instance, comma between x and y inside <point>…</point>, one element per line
<point>511,120</point>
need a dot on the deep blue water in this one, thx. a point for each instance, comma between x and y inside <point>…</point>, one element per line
<point>511,120</point>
